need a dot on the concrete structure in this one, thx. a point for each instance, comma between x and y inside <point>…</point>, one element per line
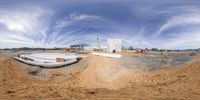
<point>94,48</point>
<point>114,45</point>
<point>104,48</point>
<point>76,47</point>
<point>90,48</point>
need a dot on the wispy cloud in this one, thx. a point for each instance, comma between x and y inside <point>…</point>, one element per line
<point>22,26</point>
<point>59,36</point>
<point>180,20</point>
<point>72,18</point>
<point>183,41</point>
<point>166,24</point>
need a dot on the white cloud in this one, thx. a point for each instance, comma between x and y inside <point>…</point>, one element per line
<point>73,18</point>
<point>183,41</point>
<point>60,38</point>
<point>23,28</point>
<point>179,20</point>
<point>21,21</point>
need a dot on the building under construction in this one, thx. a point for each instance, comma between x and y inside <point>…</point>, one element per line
<point>113,45</point>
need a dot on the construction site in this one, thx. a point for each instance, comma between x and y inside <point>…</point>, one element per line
<point>99,50</point>
<point>96,74</point>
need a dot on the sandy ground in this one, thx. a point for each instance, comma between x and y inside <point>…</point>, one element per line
<point>97,77</point>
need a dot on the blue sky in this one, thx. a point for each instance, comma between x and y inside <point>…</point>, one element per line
<point>170,24</point>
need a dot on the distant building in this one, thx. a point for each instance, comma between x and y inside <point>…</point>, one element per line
<point>90,48</point>
<point>94,48</point>
<point>104,48</point>
<point>114,45</point>
<point>77,47</point>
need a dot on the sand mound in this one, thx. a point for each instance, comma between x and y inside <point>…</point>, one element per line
<point>98,79</point>
<point>109,73</point>
<point>104,72</point>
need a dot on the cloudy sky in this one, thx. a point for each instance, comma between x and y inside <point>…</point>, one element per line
<point>170,24</point>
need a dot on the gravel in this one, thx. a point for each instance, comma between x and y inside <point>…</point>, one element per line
<point>156,60</point>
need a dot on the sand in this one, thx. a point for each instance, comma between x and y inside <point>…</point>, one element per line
<point>104,72</point>
<point>97,77</point>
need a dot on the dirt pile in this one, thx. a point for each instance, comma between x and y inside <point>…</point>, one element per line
<point>103,78</point>
<point>104,72</point>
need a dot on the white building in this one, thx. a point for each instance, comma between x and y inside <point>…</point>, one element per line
<point>114,45</point>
